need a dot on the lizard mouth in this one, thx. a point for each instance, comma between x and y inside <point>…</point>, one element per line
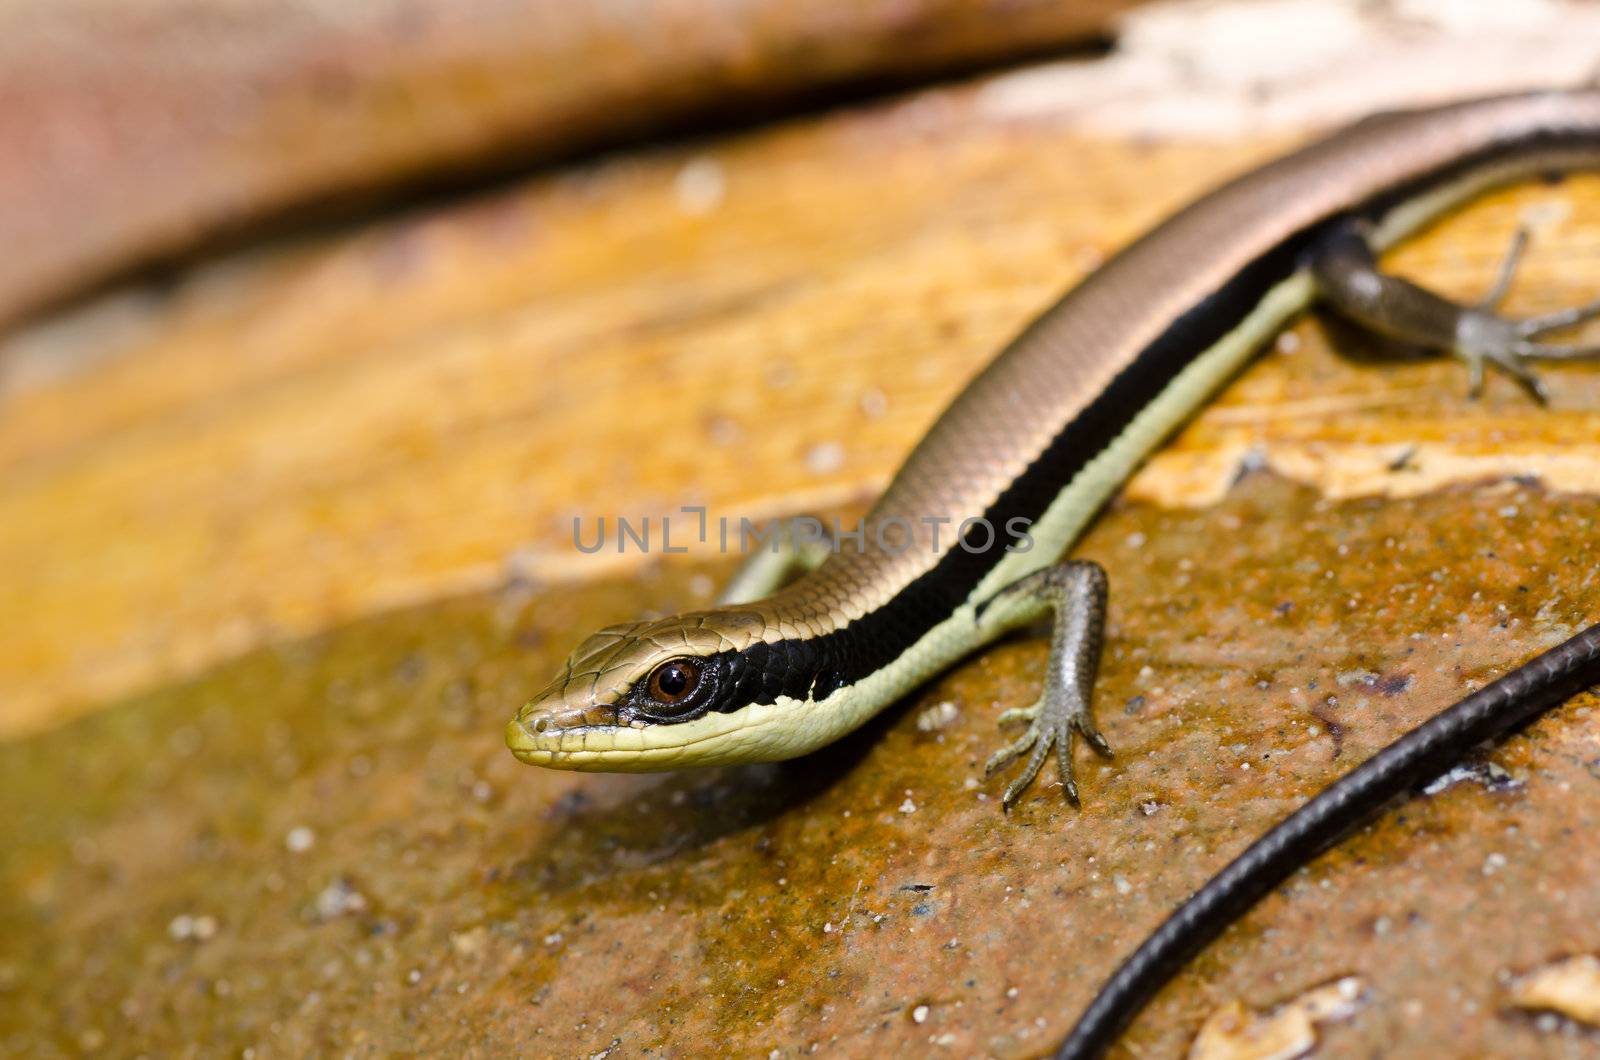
<point>540,730</point>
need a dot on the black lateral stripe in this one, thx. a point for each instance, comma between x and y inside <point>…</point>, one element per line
<point>817,666</point>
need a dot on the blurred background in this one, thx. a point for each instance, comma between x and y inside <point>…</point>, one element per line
<point>321,322</point>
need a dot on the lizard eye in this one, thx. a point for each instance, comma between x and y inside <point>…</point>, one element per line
<point>674,681</point>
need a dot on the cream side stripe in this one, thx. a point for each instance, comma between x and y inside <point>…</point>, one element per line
<point>753,732</point>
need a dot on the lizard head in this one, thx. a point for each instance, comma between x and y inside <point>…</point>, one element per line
<point>684,690</point>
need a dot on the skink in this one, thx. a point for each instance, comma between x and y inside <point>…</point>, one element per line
<point>1041,439</point>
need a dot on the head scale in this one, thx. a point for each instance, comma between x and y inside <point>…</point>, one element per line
<point>627,695</point>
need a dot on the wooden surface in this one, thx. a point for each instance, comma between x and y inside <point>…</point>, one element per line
<point>134,132</point>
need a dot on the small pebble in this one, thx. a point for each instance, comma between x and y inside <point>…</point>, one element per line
<point>824,458</point>
<point>185,927</point>
<point>937,716</point>
<point>723,431</point>
<point>700,185</point>
<point>338,899</point>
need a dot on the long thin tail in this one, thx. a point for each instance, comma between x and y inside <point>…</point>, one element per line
<point>1513,700</point>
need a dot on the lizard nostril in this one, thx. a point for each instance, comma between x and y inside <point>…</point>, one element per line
<point>541,725</point>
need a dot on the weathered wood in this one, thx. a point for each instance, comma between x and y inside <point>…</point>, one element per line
<point>130,132</point>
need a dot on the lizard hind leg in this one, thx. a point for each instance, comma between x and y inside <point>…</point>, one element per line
<point>1075,592</point>
<point>1484,336</point>
<point>1533,327</point>
<point>1348,278</point>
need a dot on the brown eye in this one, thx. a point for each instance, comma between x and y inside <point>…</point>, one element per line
<point>675,681</point>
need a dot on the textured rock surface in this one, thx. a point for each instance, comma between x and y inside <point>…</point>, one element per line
<point>325,845</point>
